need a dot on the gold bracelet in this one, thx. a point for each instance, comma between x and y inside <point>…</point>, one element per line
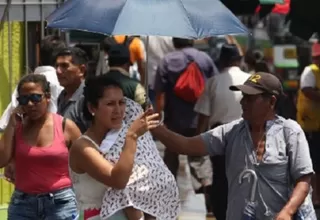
<point>132,135</point>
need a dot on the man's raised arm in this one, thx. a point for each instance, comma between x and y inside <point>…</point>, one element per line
<point>193,146</point>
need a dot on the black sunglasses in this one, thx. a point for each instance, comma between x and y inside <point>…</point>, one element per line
<point>34,98</point>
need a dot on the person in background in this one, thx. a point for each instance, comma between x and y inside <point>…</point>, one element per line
<point>217,106</point>
<point>232,40</point>
<point>276,149</point>
<point>71,66</point>
<point>93,58</point>
<point>38,142</point>
<point>119,63</point>
<point>179,114</point>
<point>215,44</point>
<point>262,66</point>
<point>137,53</point>
<point>251,57</point>
<point>48,47</point>
<point>137,56</point>
<point>308,116</point>
<point>158,47</point>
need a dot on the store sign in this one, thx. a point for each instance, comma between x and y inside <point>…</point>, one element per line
<point>290,53</point>
<point>285,56</point>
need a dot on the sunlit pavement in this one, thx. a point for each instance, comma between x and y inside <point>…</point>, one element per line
<point>193,206</point>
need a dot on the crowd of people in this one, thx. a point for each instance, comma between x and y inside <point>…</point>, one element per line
<point>77,143</point>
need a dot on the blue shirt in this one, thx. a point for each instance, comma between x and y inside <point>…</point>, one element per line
<point>286,159</point>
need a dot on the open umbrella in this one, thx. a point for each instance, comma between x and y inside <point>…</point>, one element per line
<point>176,18</point>
<point>249,212</point>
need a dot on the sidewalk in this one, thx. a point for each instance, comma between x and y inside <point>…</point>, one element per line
<point>193,206</point>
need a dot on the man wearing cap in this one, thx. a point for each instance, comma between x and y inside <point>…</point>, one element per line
<point>308,115</point>
<point>216,106</point>
<point>275,148</point>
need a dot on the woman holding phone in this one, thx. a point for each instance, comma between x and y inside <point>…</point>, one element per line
<point>116,169</point>
<point>39,143</point>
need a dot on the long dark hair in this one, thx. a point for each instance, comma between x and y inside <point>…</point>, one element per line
<point>93,91</point>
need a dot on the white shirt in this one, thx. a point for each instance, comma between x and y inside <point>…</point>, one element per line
<point>158,47</point>
<point>307,78</point>
<point>218,101</point>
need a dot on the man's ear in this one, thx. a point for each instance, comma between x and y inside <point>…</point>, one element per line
<point>273,101</point>
<point>83,69</point>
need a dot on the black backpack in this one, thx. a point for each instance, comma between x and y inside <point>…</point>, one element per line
<point>110,41</point>
<point>106,44</point>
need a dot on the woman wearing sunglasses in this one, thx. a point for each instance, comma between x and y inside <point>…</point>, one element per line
<point>38,141</point>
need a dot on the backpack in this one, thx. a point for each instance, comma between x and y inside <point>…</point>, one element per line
<point>127,42</point>
<point>190,83</point>
<point>110,41</point>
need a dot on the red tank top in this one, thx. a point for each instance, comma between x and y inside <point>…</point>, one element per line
<point>42,169</point>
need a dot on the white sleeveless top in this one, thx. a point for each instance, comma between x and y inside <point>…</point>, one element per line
<point>89,192</point>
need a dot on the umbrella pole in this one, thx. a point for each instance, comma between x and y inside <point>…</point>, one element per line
<point>146,83</point>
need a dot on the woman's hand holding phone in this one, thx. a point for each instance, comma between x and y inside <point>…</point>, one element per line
<point>150,111</point>
<point>16,116</point>
<point>146,121</point>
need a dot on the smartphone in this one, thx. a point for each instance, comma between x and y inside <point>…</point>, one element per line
<point>21,115</point>
<point>146,105</point>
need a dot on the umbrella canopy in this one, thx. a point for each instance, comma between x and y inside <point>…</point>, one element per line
<point>177,18</point>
